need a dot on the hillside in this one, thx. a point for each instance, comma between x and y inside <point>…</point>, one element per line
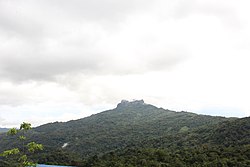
<point>138,126</point>
<point>117,128</point>
<point>2,130</point>
<point>226,144</point>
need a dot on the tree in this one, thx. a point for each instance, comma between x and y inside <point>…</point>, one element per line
<point>20,154</point>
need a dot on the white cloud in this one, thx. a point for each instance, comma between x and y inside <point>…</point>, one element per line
<point>182,55</point>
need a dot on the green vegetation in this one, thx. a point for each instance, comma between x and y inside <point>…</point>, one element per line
<point>224,144</point>
<point>19,156</point>
<point>139,134</point>
<point>191,157</point>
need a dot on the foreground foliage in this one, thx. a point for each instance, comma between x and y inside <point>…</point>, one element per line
<point>19,156</point>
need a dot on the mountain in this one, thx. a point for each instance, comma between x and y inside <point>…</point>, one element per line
<point>224,144</point>
<point>140,127</point>
<point>122,126</point>
<point>2,130</point>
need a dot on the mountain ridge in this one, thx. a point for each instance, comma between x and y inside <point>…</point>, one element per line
<point>137,124</point>
<point>2,130</point>
<point>136,118</point>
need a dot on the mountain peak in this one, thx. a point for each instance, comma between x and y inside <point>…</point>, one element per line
<point>126,103</point>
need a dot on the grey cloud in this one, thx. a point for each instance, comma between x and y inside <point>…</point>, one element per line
<point>167,61</point>
<point>32,18</point>
<point>12,98</point>
<point>225,12</point>
<point>7,123</point>
<point>99,9</point>
<point>15,21</point>
<point>19,27</point>
<point>45,39</point>
<point>37,68</point>
<point>1,120</point>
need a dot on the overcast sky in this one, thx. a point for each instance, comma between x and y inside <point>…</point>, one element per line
<point>67,59</point>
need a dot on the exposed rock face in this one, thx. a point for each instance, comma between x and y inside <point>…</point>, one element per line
<point>126,103</point>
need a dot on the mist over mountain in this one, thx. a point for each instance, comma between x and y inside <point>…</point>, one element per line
<point>141,127</point>
<point>2,130</point>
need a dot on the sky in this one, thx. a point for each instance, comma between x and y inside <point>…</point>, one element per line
<point>62,60</point>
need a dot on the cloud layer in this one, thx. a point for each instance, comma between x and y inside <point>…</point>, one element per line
<point>44,39</point>
<point>184,55</point>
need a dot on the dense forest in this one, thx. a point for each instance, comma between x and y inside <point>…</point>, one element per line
<point>140,134</point>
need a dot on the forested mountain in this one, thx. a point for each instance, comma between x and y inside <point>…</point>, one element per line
<point>225,144</point>
<point>135,132</point>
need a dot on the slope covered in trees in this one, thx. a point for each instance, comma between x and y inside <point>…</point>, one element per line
<point>226,144</point>
<point>116,135</point>
<point>125,125</point>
